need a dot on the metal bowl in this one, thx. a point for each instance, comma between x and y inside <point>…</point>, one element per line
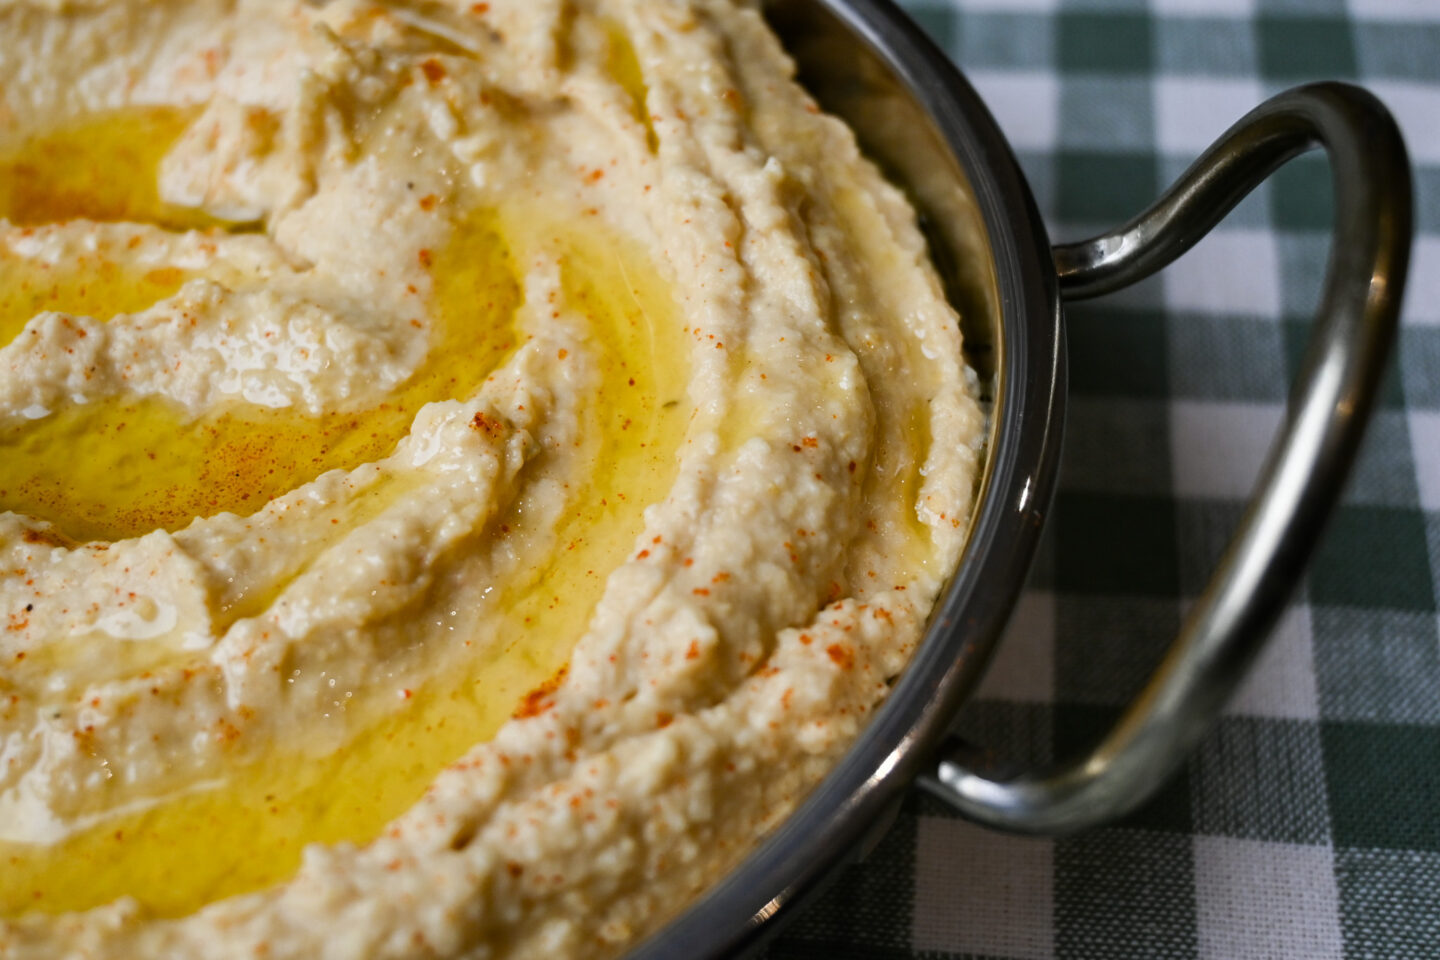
<point>918,118</point>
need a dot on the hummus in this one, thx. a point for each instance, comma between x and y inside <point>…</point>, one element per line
<point>467,470</point>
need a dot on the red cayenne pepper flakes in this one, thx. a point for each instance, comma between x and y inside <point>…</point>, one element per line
<point>843,656</point>
<point>537,701</point>
<point>490,426</point>
<point>434,71</point>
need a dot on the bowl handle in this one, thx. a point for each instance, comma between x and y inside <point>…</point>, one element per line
<point>1303,475</point>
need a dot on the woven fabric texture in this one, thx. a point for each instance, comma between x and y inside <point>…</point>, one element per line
<point>1307,825</point>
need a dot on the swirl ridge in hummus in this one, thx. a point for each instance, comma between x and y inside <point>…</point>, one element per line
<point>467,470</point>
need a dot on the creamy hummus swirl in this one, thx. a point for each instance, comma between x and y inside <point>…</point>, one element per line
<point>485,344</point>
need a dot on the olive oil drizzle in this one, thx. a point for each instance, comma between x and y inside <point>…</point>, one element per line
<point>256,822</point>
<point>102,167</point>
<point>98,169</point>
<point>154,467</point>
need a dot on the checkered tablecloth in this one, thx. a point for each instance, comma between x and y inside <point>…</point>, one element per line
<point>1308,823</point>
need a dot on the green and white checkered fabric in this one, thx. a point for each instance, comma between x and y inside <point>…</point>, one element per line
<point>1308,824</point>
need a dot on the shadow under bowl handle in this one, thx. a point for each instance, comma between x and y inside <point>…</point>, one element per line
<point>1302,477</point>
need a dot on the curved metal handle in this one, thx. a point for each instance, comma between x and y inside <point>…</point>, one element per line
<point>1302,477</point>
